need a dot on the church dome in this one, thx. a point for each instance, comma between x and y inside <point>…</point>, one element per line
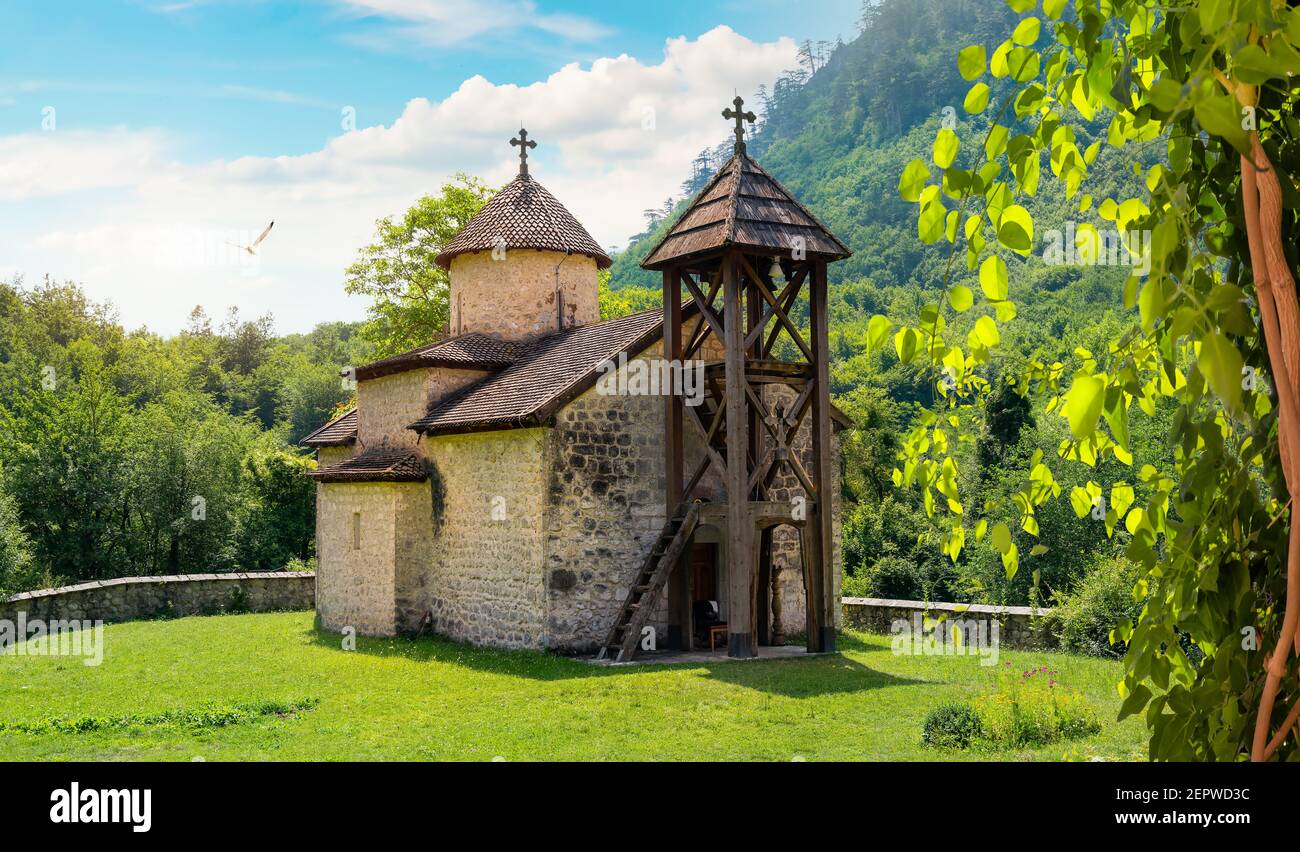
<point>524,215</point>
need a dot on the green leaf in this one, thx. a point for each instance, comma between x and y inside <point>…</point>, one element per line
<point>1024,63</point>
<point>996,142</point>
<point>1053,8</point>
<point>1214,14</point>
<point>1220,363</point>
<point>1166,94</point>
<point>1220,116</point>
<point>1136,700</point>
<point>1083,404</point>
<point>945,148</point>
<point>930,224</point>
<point>987,331</point>
<point>1016,230</point>
<point>1121,497</point>
<point>1001,538</point>
<point>905,342</point>
<point>1022,6</point>
<point>1252,65</point>
<point>1026,32</point>
<point>971,61</point>
<point>878,331</point>
<point>961,298</point>
<point>993,278</point>
<point>913,180</point>
<point>976,99</point>
<point>1080,501</point>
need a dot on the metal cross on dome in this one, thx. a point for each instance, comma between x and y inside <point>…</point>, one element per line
<point>741,118</point>
<point>523,143</point>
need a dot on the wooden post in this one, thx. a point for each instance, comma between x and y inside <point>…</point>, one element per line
<point>679,604</point>
<point>740,530</point>
<point>823,470</point>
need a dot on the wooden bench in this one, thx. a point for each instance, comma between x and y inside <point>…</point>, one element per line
<point>714,632</point>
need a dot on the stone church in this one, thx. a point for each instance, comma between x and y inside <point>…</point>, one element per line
<point>501,486</point>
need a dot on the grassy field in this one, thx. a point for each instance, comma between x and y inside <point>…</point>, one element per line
<point>269,687</point>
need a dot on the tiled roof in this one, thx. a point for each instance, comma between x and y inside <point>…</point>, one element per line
<point>556,370</point>
<point>469,351</point>
<point>746,207</point>
<point>523,215</point>
<point>377,465</point>
<point>336,433</point>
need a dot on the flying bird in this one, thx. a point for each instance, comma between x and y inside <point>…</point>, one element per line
<point>252,249</point>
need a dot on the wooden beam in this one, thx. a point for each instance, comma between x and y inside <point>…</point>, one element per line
<point>780,313</point>
<point>740,531</point>
<point>678,607</point>
<point>706,435</point>
<point>673,451</point>
<point>706,309</point>
<point>698,334</point>
<point>768,313</point>
<point>798,278</point>
<point>823,463</point>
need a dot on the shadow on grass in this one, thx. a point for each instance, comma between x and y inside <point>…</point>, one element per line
<point>792,677</point>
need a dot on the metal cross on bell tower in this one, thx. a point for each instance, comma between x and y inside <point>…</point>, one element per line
<point>523,143</point>
<point>741,117</point>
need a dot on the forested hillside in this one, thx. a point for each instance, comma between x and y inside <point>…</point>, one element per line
<point>128,453</point>
<point>838,133</point>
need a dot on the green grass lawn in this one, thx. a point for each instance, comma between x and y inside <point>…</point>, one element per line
<point>394,699</point>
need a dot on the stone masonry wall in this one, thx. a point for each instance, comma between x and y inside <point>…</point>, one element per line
<point>515,297</point>
<point>326,456</point>
<point>605,509</point>
<point>389,404</point>
<point>127,598</point>
<point>1018,626</point>
<point>355,585</point>
<point>482,579</point>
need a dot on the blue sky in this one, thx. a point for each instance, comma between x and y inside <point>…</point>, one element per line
<point>128,129</point>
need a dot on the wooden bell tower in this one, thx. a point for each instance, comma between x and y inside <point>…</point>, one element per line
<point>742,253</point>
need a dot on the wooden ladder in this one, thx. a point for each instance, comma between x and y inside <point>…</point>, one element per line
<point>625,636</point>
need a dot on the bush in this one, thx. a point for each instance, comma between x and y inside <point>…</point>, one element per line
<point>952,726</point>
<point>1032,708</point>
<point>1104,598</point>
<point>1029,709</point>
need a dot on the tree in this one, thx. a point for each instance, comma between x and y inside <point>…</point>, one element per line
<point>18,571</point>
<point>1215,86</point>
<point>278,510</point>
<point>397,271</point>
<point>64,447</point>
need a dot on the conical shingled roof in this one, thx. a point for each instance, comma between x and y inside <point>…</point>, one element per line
<point>744,206</point>
<point>525,216</point>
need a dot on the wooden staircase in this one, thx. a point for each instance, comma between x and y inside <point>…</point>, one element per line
<point>625,636</point>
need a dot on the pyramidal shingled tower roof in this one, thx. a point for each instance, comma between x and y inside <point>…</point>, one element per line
<point>744,206</point>
<point>524,215</point>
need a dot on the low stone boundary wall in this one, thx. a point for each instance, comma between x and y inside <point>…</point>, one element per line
<point>127,598</point>
<point>1018,626</point>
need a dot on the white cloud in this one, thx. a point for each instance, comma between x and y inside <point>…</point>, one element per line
<point>445,22</point>
<point>44,163</point>
<point>118,211</point>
